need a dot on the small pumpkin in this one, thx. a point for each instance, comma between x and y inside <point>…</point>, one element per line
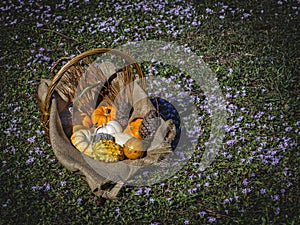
<point>110,127</point>
<point>134,127</point>
<point>108,151</point>
<point>103,114</point>
<point>81,139</point>
<point>134,148</point>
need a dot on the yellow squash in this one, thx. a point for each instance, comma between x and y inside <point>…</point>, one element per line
<point>108,151</point>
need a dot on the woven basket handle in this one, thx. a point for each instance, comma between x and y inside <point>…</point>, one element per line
<point>60,73</point>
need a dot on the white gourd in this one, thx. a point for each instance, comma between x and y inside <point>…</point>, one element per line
<point>110,127</point>
<point>81,139</point>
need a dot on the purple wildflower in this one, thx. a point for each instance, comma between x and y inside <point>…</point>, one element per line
<point>208,10</point>
<point>47,186</point>
<point>30,160</point>
<point>226,201</point>
<point>31,139</point>
<point>212,219</point>
<point>203,213</point>
<point>139,191</point>
<point>246,190</point>
<point>263,191</point>
<point>275,197</point>
<point>38,150</point>
<point>245,182</point>
<point>147,190</point>
<point>206,184</point>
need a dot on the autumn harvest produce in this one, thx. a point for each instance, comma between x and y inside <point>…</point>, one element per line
<point>108,151</point>
<point>82,139</point>
<point>104,139</point>
<point>133,128</point>
<point>103,114</point>
<point>134,149</point>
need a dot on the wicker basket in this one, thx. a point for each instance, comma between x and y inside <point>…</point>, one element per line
<point>56,94</point>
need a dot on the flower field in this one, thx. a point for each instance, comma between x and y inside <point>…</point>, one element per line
<point>253,49</point>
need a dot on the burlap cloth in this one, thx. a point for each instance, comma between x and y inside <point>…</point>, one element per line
<point>104,179</point>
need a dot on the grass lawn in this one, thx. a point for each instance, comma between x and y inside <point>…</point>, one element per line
<point>251,46</point>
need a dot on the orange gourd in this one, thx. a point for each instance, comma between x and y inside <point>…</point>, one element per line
<point>103,114</point>
<point>134,148</point>
<point>133,128</point>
